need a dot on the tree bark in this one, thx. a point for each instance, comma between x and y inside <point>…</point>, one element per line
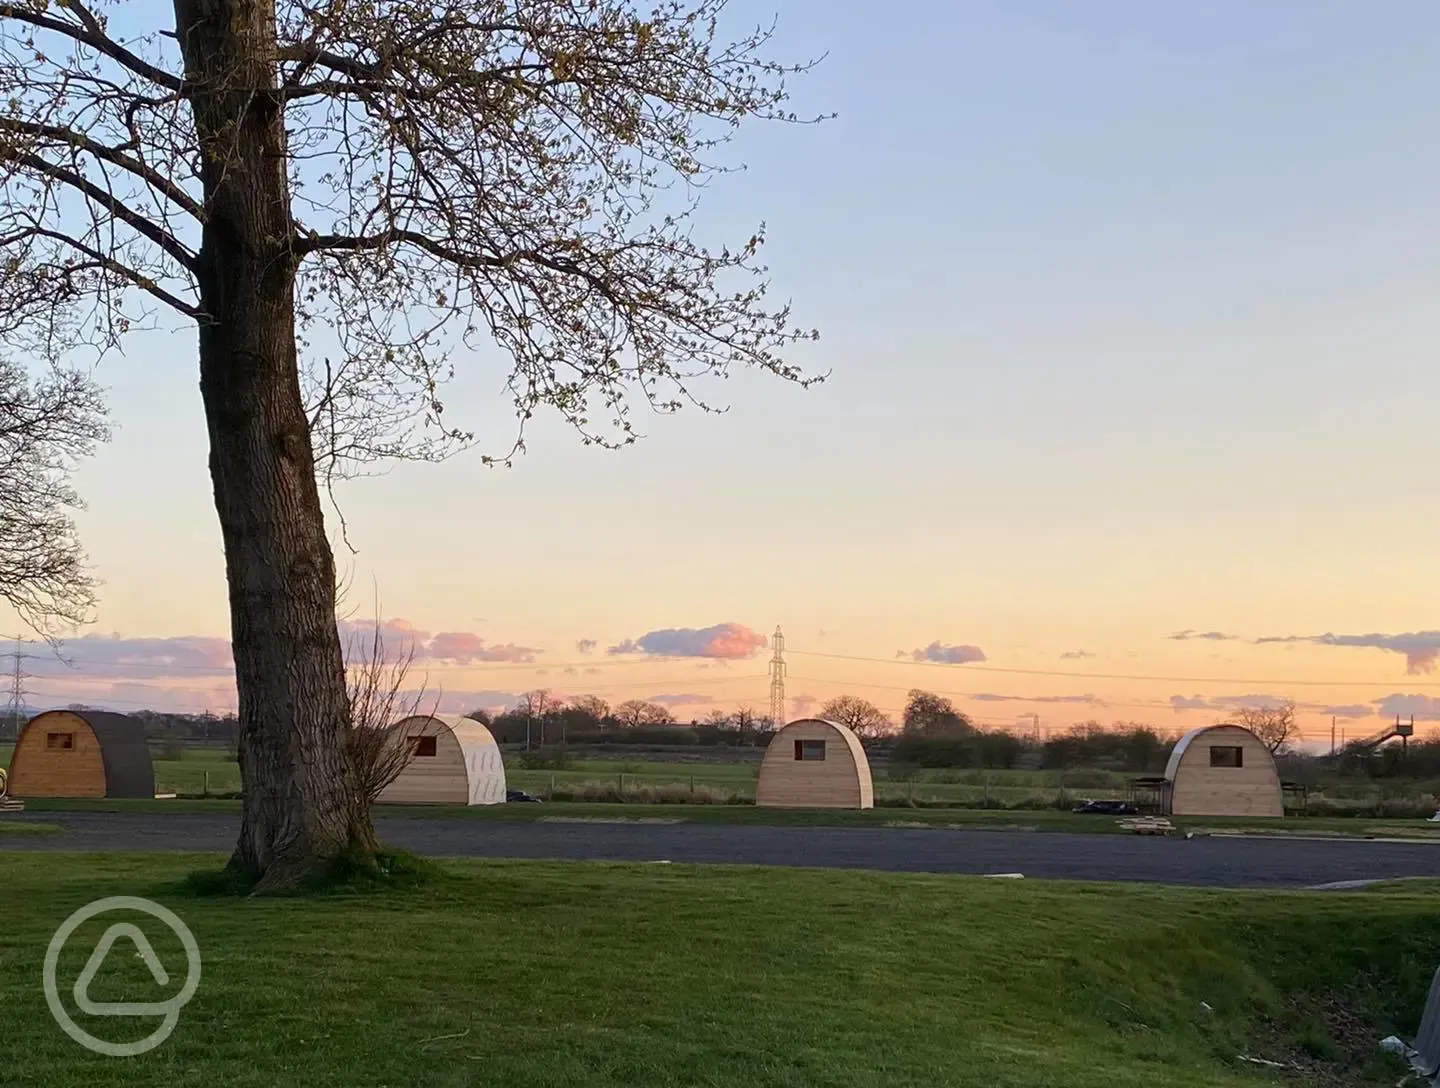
<point>299,807</point>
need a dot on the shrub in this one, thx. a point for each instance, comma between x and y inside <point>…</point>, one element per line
<point>544,759</point>
<point>647,794</point>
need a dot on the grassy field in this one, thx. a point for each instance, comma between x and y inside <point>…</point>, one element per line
<point>538,974</point>
<point>199,771</point>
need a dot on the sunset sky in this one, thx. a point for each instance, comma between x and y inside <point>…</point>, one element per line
<point>1129,311</point>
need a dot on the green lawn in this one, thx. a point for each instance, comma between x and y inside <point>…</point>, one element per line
<point>638,976</point>
<point>11,827</point>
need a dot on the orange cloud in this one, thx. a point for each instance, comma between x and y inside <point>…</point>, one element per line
<point>723,640</point>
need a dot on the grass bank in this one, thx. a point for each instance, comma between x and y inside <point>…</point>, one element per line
<point>531,974</point>
<point>980,819</point>
<point>27,827</point>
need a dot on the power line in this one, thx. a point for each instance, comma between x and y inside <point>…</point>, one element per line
<point>1122,676</point>
<point>16,710</point>
<point>1098,703</point>
<point>777,681</point>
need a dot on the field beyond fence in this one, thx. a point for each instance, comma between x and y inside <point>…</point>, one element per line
<point>728,776</point>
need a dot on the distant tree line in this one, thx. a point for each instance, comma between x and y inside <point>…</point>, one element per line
<point>540,718</point>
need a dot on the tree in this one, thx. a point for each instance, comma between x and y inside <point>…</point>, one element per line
<point>635,713</point>
<point>863,717</point>
<point>590,711</point>
<point>378,753</point>
<point>535,706</point>
<point>45,426</point>
<point>1273,725</point>
<point>336,196</point>
<point>930,715</point>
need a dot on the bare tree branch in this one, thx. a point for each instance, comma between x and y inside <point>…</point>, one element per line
<point>45,427</point>
<point>110,154</point>
<point>92,34</point>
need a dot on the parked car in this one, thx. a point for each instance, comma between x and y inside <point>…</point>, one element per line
<point>1108,808</point>
<point>520,797</point>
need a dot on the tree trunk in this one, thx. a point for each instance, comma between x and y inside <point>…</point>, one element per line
<point>300,809</point>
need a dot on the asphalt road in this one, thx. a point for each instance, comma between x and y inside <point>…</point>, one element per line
<point>1220,862</point>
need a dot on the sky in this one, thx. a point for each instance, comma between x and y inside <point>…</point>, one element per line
<point>1127,311</point>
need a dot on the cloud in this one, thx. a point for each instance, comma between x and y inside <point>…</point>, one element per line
<point>682,700</point>
<point>111,670</point>
<point>803,703</point>
<point>1088,700</point>
<point>141,658</point>
<point>1421,648</point>
<point>1075,655</point>
<point>945,655</point>
<point>1426,708</point>
<point>1348,712</point>
<point>46,692</point>
<point>49,691</point>
<point>722,641</point>
<point>464,648</point>
<point>586,645</point>
<point>1182,703</point>
<point>1213,636</point>
<point>400,637</point>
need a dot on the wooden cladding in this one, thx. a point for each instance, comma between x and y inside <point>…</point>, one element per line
<point>1223,770</point>
<point>812,763</point>
<point>90,753</point>
<point>456,762</point>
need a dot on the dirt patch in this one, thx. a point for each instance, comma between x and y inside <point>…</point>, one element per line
<point>1342,1049</point>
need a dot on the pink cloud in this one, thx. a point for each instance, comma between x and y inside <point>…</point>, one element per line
<point>723,641</point>
<point>143,657</point>
<point>401,637</point>
<point>465,648</point>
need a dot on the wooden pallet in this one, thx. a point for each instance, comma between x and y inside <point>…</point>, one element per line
<point>1148,825</point>
<point>9,804</point>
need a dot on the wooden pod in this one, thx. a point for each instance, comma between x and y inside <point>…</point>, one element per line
<point>1223,770</point>
<point>814,763</point>
<point>456,762</point>
<point>82,753</point>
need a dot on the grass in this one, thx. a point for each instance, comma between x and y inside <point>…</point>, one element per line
<point>978,819</point>
<point>195,771</point>
<point>542,974</point>
<point>8,827</point>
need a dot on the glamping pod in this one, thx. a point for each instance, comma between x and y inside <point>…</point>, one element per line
<point>1222,770</point>
<point>814,763</point>
<point>82,753</point>
<point>456,762</point>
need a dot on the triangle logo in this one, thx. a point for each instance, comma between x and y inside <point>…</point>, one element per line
<point>146,952</point>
